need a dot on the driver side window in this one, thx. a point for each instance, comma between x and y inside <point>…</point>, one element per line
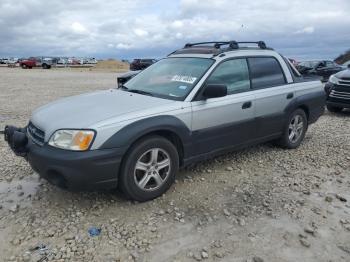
<point>232,73</point>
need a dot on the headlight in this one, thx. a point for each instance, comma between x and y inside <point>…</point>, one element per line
<point>78,140</point>
<point>333,80</point>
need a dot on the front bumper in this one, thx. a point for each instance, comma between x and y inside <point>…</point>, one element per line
<point>338,104</point>
<point>88,170</point>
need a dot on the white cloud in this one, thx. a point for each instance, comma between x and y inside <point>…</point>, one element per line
<point>177,24</point>
<point>123,46</point>
<point>179,35</point>
<point>78,28</point>
<point>140,32</point>
<point>306,30</point>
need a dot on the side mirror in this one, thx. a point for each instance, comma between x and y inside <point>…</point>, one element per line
<point>214,90</point>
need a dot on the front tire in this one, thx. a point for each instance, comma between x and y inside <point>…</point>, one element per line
<point>334,109</point>
<point>149,168</point>
<point>295,130</point>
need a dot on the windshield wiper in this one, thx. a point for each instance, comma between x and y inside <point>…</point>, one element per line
<point>123,87</point>
<point>137,91</point>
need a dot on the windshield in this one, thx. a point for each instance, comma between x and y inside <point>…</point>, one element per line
<point>171,78</point>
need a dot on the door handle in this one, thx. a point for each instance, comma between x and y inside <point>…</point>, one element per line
<point>290,96</point>
<point>247,105</point>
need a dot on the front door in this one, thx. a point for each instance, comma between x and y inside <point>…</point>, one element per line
<point>228,121</point>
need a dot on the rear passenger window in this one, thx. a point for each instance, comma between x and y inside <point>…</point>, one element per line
<point>265,72</point>
<point>232,73</point>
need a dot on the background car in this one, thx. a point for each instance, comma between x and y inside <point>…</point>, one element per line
<point>91,60</point>
<point>73,61</point>
<point>140,64</point>
<point>44,62</point>
<point>322,68</point>
<point>12,62</point>
<point>4,61</point>
<point>62,61</point>
<point>346,64</point>
<point>122,79</point>
<point>338,91</point>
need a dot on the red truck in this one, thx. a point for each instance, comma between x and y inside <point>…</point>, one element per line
<point>31,62</point>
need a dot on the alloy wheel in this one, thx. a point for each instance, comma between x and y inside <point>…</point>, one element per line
<point>152,169</point>
<point>296,128</point>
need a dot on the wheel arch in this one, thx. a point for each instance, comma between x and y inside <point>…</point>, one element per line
<point>297,104</point>
<point>306,109</point>
<point>170,135</point>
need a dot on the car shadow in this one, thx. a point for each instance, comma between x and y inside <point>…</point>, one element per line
<point>344,112</point>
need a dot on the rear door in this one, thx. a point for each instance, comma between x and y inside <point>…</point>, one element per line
<point>272,95</point>
<point>223,122</point>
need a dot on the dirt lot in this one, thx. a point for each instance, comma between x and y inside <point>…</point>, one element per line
<point>258,204</point>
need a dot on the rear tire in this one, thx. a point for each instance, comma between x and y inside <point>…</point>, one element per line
<point>334,109</point>
<point>295,130</point>
<point>24,66</point>
<point>149,168</point>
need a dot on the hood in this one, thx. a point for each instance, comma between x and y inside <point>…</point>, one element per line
<point>345,74</point>
<point>85,110</point>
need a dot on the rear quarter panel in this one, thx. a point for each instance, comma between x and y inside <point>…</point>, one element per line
<point>311,96</point>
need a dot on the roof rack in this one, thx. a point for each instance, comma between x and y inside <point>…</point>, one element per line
<point>232,44</point>
<point>217,47</point>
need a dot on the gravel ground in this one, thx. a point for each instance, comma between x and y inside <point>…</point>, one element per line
<point>258,204</point>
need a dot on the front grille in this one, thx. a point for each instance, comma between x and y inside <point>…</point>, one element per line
<point>36,134</point>
<point>340,95</point>
<point>344,82</point>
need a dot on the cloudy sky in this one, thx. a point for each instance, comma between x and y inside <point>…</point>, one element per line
<point>145,28</point>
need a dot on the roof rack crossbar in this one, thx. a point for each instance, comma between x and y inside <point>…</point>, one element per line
<point>216,43</point>
<point>261,44</point>
<point>232,44</point>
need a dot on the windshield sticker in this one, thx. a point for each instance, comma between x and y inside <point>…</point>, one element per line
<point>182,87</point>
<point>184,79</point>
